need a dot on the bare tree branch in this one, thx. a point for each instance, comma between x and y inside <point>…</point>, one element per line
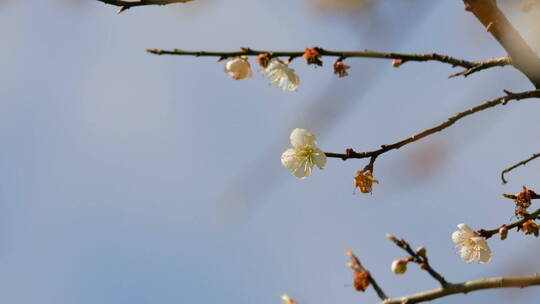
<point>470,66</point>
<point>521,163</point>
<point>125,5</point>
<point>450,121</point>
<point>523,57</point>
<point>466,287</point>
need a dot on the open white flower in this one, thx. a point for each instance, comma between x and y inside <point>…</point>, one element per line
<point>304,154</point>
<point>281,75</point>
<point>473,246</point>
<point>238,68</point>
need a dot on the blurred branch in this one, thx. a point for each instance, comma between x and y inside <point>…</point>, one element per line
<point>521,163</point>
<point>466,287</point>
<point>523,57</point>
<point>450,121</point>
<point>484,64</point>
<point>125,5</point>
<point>489,233</point>
<point>419,258</point>
<point>480,65</point>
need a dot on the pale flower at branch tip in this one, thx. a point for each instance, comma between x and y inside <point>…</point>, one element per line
<point>238,68</point>
<point>303,155</point>
<point>473,246</point>
<point>281,75</point>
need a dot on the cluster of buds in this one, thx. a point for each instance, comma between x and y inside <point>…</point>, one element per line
<point>364,181</point>
<point>313,56</point>
<point>530,227</point>
<point>522,200</point>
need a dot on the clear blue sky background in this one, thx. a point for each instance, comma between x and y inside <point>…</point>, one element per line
<point>131,178</point>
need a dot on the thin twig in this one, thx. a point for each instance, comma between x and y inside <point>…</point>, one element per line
<point>489,233</point>
<point>450,121</point>
<point>484,64</point>
<point>357,266</point>
<point>421,260</point>
<point>341,54</point>
<point>521,163</point>
<point>523,57</point>
<point>125,5</point>
<point>465,287</point>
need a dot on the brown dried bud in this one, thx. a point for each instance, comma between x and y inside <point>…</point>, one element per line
<point>313,56</point>
<point>503,232</point>
<point>361,280</point>
<point>421,251</point>
<point>397,63</point>
<point>422,265</point>
<point>364,181</point>
<point>340,69</point>
<point>264,59</point>
<point>530,227</point>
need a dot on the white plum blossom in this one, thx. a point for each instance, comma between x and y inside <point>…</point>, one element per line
<point>473,246</point>
<point>303,155</point>
<point>281,75</point>
<point>238,68</point>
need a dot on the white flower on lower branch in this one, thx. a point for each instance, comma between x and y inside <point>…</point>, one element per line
<point>304,154</point>
<point>473,246</point>
<point>281,75</point>
<point>238,68</point>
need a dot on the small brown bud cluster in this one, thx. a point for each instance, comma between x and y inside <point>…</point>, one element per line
<point>523,201</point>
<point>361,280</point>
<point>530,227</point>
<point>341,68</point>
<point>264,59</point>
<point>313,56</point>
<point>364,181</point>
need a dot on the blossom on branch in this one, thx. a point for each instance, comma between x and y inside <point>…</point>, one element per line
<point>304,154</point>
<point>238,68</point>
<point>287,300</point>
<point>473,246</point>
<point>281,75</point>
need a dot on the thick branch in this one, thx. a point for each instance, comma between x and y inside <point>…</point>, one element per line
<point>521,163</point>
<point>465,287</point>
<point>523,57</point>
<point>450,121</point>
<point>124,5</point>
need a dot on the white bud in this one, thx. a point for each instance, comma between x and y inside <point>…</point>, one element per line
<point>238,68</point>
<point>399,266</point>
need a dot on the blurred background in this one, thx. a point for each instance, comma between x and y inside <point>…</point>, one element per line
<point>131,178</point>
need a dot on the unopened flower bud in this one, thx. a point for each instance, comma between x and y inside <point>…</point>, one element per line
<point>391,237</point>
<point>421,251</point>
<point>397,63</point>
<point>503,232</point>
<point>287,300</point>
<point>423,265</point>
<point>238,68</point>
<point>399,266</point>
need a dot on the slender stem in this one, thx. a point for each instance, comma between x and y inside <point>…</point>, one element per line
<point>125,5</point>
<point>521,163</point>
<point>489,233</point>
<point>450,121</point>
<point>466,287</point>
<point>420,260</point>
<point>484,64</point>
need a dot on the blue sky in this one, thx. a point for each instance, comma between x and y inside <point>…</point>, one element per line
<point>131,178</point>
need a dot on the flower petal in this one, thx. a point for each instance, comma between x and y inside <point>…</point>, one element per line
<point>302,138</point>
<point>290,160</point>
<point>303,171</point>
<point>319,158</point>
